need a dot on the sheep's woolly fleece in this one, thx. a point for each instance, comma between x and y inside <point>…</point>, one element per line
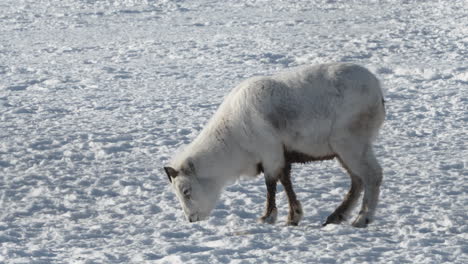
<point>96,97</point>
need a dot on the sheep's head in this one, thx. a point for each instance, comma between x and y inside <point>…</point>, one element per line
<point>198,196</point>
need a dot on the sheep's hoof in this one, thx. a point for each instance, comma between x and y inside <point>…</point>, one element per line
<point>334,219</point>
<point>295,215</point>
<point>292,223</point>
<point>361,222</point>
<point>269,218</point>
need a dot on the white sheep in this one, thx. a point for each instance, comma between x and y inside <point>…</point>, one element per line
<point>266,123</point>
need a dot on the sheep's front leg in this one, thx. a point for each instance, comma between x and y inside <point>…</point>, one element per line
<point>270,212</point>
<point>295,208</point>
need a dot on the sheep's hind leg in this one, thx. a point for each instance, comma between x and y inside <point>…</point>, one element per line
<point>295,208</point>
<point>360,161</point>
<point>349,202</point>
<point>372,178</point>
<point>270,212</point>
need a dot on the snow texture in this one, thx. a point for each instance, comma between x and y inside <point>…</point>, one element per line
<point>97,95</point>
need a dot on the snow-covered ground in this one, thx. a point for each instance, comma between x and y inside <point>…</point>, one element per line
<point>96,96</point>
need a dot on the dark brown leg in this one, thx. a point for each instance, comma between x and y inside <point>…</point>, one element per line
<point>295,208</point>
<point>349,202</point>
<point>270,212</point>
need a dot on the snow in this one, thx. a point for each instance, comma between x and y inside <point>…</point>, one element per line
<point>96,96</point>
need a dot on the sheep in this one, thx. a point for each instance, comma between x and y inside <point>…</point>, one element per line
<point>266,123</point>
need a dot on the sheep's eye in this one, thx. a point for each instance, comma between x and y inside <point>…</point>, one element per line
<point>187,193</point>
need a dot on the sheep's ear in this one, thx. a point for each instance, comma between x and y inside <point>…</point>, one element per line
<point>171,173</point>
<point>191,166</point>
